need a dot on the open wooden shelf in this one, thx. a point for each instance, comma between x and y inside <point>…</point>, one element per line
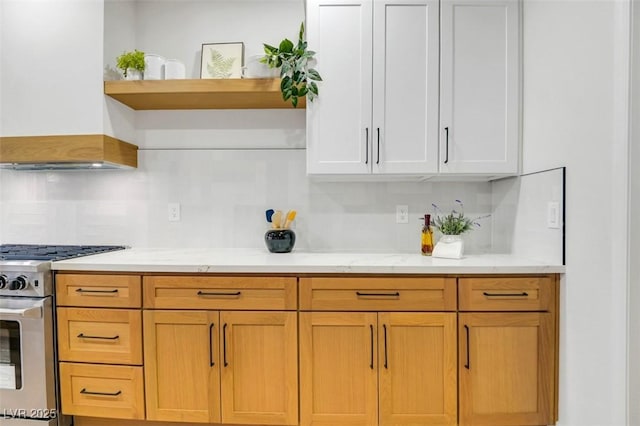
<point>245,93</point>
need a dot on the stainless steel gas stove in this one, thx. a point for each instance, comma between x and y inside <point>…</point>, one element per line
<point>28,385</point>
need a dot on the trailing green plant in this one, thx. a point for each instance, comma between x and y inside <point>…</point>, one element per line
<point>454,223</point>
<point>133,60</point>
<point>297,79</point>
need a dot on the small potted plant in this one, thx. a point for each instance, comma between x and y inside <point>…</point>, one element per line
<point>297,79</point>
<point>452,226</point>
<point>131,64</point>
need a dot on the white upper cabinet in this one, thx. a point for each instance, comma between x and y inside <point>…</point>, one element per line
<point>479,87</point>
<point>377,111</point>
<point>413,90</point>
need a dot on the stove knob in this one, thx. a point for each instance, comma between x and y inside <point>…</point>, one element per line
<point>19,283</point>
<point>3,281</point>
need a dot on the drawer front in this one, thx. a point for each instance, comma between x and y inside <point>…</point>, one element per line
<point>505,293</point>
<point>110,336</point>
<point>102,391</point>
<point>378,294</point>
<point>197,292</point>
<point>108,291</point>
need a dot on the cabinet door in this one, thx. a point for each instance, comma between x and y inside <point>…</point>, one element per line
<point>181,366</point>
<point>259,368</point>
<point>479,129</point>
<point>405,86</point>
<point>338,369</point>
<point>417,355</point>
<point>506,368</point>
<point>339,132</point>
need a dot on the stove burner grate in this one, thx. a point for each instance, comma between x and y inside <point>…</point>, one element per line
<point>50,252</point>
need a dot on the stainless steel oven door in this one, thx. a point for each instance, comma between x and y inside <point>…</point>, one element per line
<point>27,366</point>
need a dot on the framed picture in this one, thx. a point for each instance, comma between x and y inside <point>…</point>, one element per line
<point>222,60</point>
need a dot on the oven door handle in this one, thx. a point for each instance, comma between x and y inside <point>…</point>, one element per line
<point>32,312</point>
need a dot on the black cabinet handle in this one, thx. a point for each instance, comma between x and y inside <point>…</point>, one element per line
<point>378,160</point>
<point>468,364</point>
<point>366,159</point>
<point>219,293</point>
<point>371,329</point>
<point>86,392</point>
<point>361,294</point>
<point>386,364</point>
<point>84,290</point>
<point>224,345</point>
<point>211,361</point>
<point>523,294</point>
<point>84,336</point>
<point>446,132</point>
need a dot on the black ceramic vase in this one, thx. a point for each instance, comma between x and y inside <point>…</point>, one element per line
<point>280,240</point>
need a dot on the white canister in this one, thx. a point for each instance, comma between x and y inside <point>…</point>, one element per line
<point>174,69</point>
<point>153,67</point>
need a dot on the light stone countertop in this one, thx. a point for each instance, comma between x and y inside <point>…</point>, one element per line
<point>261,261</point>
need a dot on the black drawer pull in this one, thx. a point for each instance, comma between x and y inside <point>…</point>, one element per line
<point>86,392</point>
<point>220,293</point>
<point>84,290</point>
<point>523,294</point>
<point>83,336</point>
<point>360,294</point>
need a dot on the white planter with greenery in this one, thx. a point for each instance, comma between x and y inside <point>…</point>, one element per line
<point>452,226</point>
<point>131,64</point>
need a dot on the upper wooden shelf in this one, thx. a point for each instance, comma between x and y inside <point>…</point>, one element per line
<point>245,93</point>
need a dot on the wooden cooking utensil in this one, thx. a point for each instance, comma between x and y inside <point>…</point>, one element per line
<point>276,220</point>
<point>291,215</point>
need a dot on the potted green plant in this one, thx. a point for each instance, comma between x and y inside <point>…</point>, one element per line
<point>297,79</point>
<point>452,226</point>
<point>131,64</point>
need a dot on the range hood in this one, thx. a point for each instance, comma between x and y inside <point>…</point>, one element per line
<point>66,152</point>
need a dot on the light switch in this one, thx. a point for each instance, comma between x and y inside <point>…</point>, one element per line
<point>553,215</point>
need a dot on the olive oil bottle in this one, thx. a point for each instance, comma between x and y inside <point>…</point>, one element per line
<point>426,239</point>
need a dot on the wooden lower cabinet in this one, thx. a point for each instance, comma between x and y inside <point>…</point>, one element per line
<point>506,368</point>
<point>182,373</point>
<point>417,368</point>
<point>221,367</point>
<point>377,368</point>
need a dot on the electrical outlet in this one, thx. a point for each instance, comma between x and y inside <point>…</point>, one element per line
<point>402,214</point>
<point>173,211</point>
<point>553,215</point>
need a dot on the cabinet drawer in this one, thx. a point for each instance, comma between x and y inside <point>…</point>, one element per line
<point>505,293</point>
<point>198,292</point>
<point>110,336</point>
<point>109,291</point>
<point>102,390</point>
<point>378,294</point>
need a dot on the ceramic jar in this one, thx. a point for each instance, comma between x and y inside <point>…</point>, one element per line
<point>153,67</point>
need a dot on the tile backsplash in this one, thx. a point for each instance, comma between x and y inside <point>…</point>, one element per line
<point>223,194</point>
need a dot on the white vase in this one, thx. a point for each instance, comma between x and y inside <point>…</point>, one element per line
<point>153,67</point>
<point>449,247</point>
<point>133,74</point>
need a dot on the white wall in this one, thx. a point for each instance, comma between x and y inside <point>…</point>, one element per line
<point>520,210</point>
<point>634,234</point>
<point>570,104</point>
<point>224,195</point>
